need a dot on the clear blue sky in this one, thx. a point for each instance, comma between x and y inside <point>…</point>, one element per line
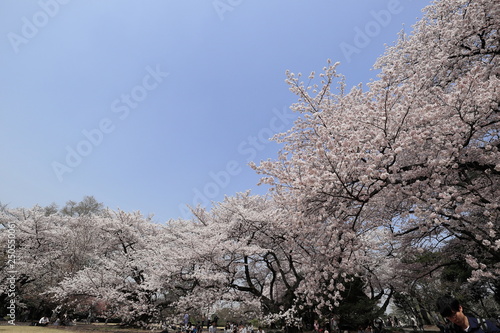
<point>151,105</point>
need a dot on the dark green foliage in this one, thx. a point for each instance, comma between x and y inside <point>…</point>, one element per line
<point>87,206</point>
<point>356,308</point>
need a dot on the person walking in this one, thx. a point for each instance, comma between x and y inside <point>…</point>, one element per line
<point>213,328</point>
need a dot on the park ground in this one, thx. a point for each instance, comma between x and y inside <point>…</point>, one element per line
<point>79,328</point>
<point>112,328</point>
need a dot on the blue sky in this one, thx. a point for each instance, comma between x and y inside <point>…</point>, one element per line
<point>152,105</point>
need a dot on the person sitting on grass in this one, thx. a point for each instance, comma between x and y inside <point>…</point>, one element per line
<point>44,321</point>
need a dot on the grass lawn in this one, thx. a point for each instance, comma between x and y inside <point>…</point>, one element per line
<point>110,328</point>
<point>28,329</point>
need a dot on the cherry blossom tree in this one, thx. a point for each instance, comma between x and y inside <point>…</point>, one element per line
<point>117,274</point>
<point>48,247</point>
<point>253,254</point>
<point>416,154</point>
<point>254,250</point>
<point>81,264</point>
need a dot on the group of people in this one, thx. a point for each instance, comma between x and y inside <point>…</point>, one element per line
<point>241,328</point>
<point>230,327</point>
<point>379,325</point>
<point>45,321</point>
<point>449,308</point>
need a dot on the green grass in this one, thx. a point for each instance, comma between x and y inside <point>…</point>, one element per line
<point>27,329</point>
<point>98,328</point>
